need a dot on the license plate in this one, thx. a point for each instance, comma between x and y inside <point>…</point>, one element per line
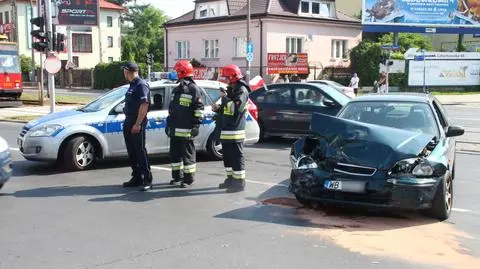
<point>333,185</point>
<point>7,168</point>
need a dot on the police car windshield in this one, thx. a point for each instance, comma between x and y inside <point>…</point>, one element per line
<point>105,100</point>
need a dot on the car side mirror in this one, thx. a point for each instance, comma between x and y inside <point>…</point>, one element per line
<point>329,103</point>
<point>455,131</point>
<point>119,108</point>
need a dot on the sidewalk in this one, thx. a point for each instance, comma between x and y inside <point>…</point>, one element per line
<point>459,99</point>
<point>28,112</point>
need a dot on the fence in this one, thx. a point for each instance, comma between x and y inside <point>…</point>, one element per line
<point>81,78</point>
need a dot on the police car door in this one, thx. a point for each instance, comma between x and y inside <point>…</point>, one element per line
<point>157,140</point>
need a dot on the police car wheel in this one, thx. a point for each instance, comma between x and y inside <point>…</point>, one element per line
<point>214,148</point>
<point>79,153</point>
<point>1,186</point>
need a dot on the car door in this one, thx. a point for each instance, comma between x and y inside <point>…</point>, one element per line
<point>275,107</point>
<point>450,141</point>
<point>308,100</point>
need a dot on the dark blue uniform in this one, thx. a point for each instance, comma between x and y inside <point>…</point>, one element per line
<point>137,94</point>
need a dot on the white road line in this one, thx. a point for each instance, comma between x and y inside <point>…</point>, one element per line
<point>461,210</point>
<point>161,168</point>
<point>15,149</point>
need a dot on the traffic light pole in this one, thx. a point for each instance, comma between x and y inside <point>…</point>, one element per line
<point>51,78</point>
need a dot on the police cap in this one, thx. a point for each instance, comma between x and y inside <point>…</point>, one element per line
<point>130,66</point>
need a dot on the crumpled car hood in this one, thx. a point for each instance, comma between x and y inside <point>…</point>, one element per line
<point>365,144</point>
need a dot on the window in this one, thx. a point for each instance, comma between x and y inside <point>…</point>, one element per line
<point>183,50</point>
<point>1,18</point>
<point>211,48</point>
<point>440,114</point>
<point>240,45</point>
<point>309,97</point>
<point>110,41</point>
<point>208,10</point>
<point>82,43</point>
<point>339,49</point>
<point>281,95</point>
<point>7,17</point>
<point>110,59</point>
<point>317,8</point>
<point>294,44</point>
<point>75,61</point>
<point>157,101</point>
<point>109,21</point>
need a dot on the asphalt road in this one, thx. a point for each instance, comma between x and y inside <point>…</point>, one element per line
<point>50,219</point>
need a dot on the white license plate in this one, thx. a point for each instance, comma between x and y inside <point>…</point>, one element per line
<point>333,185</point>
<point>7,168</point>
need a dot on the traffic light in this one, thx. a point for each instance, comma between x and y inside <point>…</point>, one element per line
<point>59,42</point>
<point>42,37</point>
<point>150,58</point>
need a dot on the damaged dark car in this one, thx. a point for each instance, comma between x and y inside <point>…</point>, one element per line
<point>390,151</point>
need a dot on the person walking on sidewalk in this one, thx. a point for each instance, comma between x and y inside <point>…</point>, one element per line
<point>137,102</point>
<point>233,111</point>
<point>354,83</point>
<point>183,124</point>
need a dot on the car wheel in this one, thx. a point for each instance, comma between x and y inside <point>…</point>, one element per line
<point>214,148</point>
<point>1,186</point>
<point>262,136</point>
<point>443,202</point>
<point>79,154</point>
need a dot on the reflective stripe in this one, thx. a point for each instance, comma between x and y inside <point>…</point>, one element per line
<point>239,174</point>
<point>229,108</point>
<point>183,132</point>
<point>177,166</point>
<point>232,135</point>
<point>199,113</point>
<point>187,96</point>
<point>190,169</point>
<point>228,171</point>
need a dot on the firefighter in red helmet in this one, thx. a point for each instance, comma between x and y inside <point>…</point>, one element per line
<point>233,112</point>
<point>185,114</point>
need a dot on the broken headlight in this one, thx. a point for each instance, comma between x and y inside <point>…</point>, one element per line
<point>305,162</point>
<point>414,166</point>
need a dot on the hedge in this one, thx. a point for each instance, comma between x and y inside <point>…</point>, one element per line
<point>109,76</point>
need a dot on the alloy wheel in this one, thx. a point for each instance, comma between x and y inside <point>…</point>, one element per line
<point>448,194</point>
<point>85,154</point>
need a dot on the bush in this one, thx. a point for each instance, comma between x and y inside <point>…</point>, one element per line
<point>25,63</point>
<point>109,76</point>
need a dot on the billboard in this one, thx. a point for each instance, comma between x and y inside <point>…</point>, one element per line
<point>287,63</point>
<point>77,12</point>
<point>445,73</point>
<point>431,13</point>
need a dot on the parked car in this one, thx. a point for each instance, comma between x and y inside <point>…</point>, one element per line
<point>5,162</point>
<point>348,91</point>
<point>390,150</point>
<point>285,109</point>
<point>82,136</point>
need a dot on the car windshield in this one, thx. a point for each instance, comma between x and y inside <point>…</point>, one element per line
<point>335,84</point>
<point>9,62</point>
<point>340,97</point>
<point>417,117</point>
<point>213,93</point>
<point>105,100</point>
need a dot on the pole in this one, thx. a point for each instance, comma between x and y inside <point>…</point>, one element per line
<point>424,67</point>
<point>33,77</point>
<point>51,78</point>
<point>70,57</point>
<point>41,12</point>
<point>149,73</point>
<point>248,38</point>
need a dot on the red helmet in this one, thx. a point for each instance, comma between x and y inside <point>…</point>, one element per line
<point>184,69</point>
<point>232,72</point>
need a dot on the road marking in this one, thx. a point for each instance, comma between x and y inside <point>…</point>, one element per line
<point>461,210</point>
<point>161,168</point>
<point>15,149</point>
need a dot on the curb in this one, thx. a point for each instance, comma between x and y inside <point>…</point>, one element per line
<point>13,121</point>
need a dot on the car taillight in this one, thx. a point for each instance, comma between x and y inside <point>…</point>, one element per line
<point>252,108</point>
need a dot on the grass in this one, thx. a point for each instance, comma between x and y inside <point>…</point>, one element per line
<point>59,98</point>
<point>22,118</point>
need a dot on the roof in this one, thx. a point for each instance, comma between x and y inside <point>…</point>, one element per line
<point>104,4</point>
<point>395,97</point>
<point>262,8</point>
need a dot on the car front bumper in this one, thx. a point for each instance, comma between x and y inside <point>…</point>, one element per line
<point>401,193</point>
<point>44,149</point>
<point>5,166</point>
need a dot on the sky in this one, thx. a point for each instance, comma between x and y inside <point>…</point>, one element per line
<point>172,8</point>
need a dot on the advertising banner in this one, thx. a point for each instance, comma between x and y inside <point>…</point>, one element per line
<point>287,63</point>
<point>206,73</point>
<point>433,13</point>
<point>77,12</point>
<point>444,73</point>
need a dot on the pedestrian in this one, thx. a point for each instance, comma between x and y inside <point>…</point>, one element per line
<point>382,83</point>
<point>233,111</point>
<point>137,102</point>
<point>354,83</point>
<point>185,114</point>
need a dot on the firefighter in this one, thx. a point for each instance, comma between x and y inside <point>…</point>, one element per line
<point>233,112</point>
<point>183,124</point>
<point>137,100</point>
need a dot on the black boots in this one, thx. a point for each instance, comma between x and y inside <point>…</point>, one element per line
<point>226,184</point>
<point>135,181</point>
<point>146,182</point>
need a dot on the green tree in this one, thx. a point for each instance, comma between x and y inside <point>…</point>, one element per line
<point>408,40</point>
<point>143,34</point>
<point>25,63</point>
<point>365,59</point>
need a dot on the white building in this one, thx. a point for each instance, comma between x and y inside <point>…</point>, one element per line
<point>90,45</point>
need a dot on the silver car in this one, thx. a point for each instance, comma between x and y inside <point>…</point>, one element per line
<point>5,162</point>
<point>78,138</point>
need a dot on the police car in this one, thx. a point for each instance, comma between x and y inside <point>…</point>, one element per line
<point>80,137</point>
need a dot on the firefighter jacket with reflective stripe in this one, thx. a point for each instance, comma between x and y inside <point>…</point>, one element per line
<point>185,111</point>
<point>233,112</point>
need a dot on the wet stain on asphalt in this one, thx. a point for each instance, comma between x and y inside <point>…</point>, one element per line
<point>405,236</point>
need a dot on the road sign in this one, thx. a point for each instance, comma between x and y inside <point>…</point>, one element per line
<point>250,47</point>
<point>390,47</point>
<point>419,58</point>
<point>249,56</point>
<point>52,64</point>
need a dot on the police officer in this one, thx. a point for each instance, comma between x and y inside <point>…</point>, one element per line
<point>137,101</point>
<point>183,123</point>
<point>232,112</point>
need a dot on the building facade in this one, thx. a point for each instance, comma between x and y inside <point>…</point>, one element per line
<point>89,45</point>
<point>215,33</point>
